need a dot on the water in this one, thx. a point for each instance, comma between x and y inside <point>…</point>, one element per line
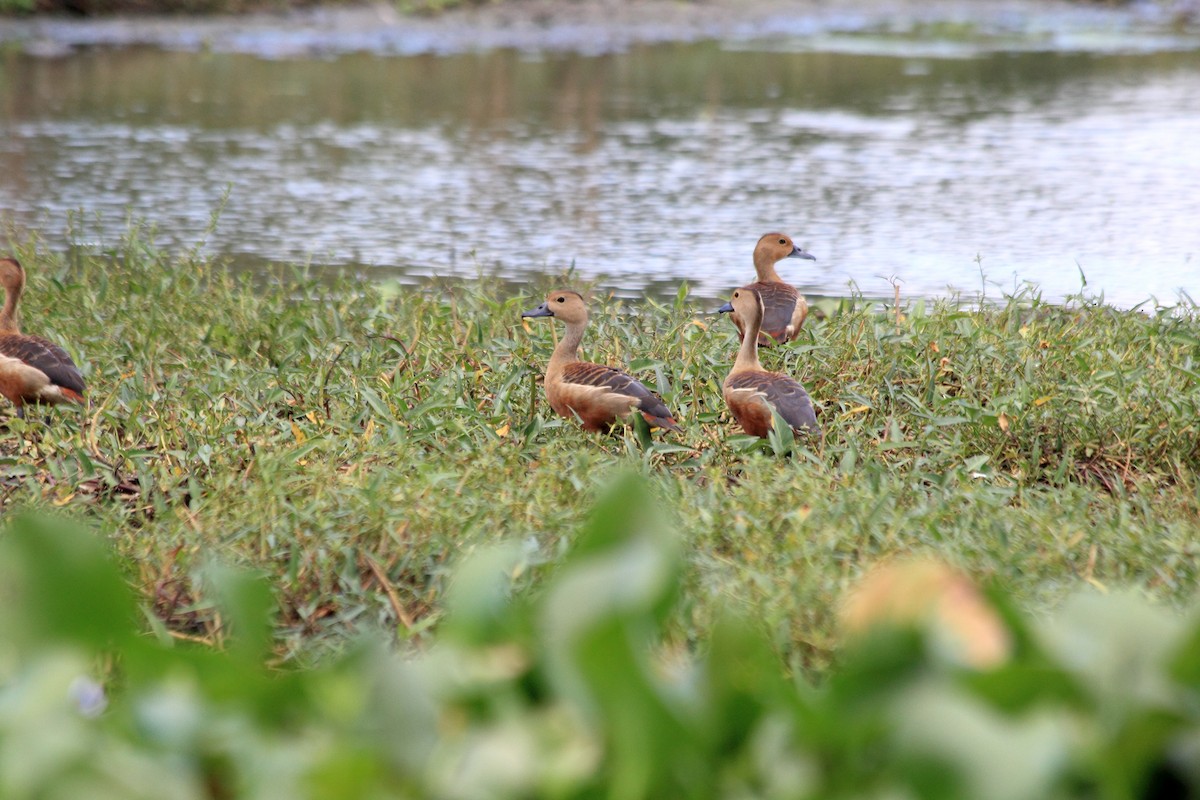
<point>944,166</point>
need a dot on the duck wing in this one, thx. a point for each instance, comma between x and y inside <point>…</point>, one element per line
<point>611,379</point>
<point>784,309</point>
<point>44,355</point>
<point>786,395</point>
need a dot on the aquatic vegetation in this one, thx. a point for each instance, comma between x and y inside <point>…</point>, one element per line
<point>352,439</point>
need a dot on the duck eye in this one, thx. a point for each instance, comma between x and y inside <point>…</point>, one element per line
<point>561,299</point>
<point>783,241</point>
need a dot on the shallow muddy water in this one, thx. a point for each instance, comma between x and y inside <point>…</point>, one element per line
<point>937,163</point>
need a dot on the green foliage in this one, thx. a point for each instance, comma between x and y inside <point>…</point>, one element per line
<point>433,6</point>
<point>573,691</point>
<point>347,440</point>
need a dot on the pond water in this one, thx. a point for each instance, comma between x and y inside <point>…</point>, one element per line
<point>938,164</point>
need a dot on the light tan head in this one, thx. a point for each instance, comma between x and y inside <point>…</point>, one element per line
<point>563,304</point>
<point>778,246</point>
<point>12,275</point>
<point>748,305</point>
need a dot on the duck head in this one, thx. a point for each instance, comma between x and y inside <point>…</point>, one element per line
<point>746,302</point>
<point>774,247</point>
<point>12,274</point>
<point>563,304</point>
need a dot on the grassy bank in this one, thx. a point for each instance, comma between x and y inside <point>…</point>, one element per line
<point>107,7</point>
<point>158,7</point>
<point>940,690</point>
<point>352,441</point>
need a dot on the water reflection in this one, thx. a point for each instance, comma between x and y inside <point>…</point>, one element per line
<point>647,167</point>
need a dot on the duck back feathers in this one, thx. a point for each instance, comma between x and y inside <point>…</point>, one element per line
<point>752,394</point>
<point>612,381</point>
<point>46,356</point>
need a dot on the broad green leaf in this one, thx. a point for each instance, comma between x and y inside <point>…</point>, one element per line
<point>62,585</point>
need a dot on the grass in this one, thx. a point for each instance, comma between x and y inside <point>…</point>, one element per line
<point>353,440</point>
<point>107,7</point>
<point>241,6</point>
<point>940,690</point>
<point>103,8</point>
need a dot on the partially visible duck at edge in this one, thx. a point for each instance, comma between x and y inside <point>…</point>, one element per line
<point>599,396</point>
<point>750,391</point>
<point>32,369</point>
<point>785,309</point>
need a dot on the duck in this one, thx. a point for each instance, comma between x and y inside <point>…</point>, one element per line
<point>751,392</point>
<point>32,369</point>
<point>785,308</point>
<point>599,396</point>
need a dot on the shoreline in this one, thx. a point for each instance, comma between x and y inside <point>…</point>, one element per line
<point>604,26</point>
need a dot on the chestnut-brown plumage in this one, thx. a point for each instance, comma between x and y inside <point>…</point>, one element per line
<point>598,395</point>
<point>752,393</point>
<point>784,308</point>
<point>32,369</point>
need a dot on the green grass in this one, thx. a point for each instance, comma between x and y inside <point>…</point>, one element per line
<point>940,690</point>
<point>108,7</point>
<point>353,440</point>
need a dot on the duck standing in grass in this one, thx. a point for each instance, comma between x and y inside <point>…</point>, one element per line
<point>598,395</point>
<point>784,308</point>
<point>751,392</point>
<point>32,369</point>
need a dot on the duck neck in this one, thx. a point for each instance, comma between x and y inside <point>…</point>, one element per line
<point>567,349</point>
<point>8,314</point>
<point>747,357</point>
<point>765,267</point>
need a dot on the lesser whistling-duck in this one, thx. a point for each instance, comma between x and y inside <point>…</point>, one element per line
<point>750,391</point>
<point>784,307</point>
<point>598,395</point>
<point>32,369</point>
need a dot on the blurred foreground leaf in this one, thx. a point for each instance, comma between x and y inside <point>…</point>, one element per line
<point>61,585</point>
<point>570,690</point>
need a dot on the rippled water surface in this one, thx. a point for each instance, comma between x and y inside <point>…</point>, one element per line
<point>932,165</point>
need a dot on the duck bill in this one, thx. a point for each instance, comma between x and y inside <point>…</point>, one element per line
<point>541,311</point>
<point>725,309</point>
<point>798,253</point>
